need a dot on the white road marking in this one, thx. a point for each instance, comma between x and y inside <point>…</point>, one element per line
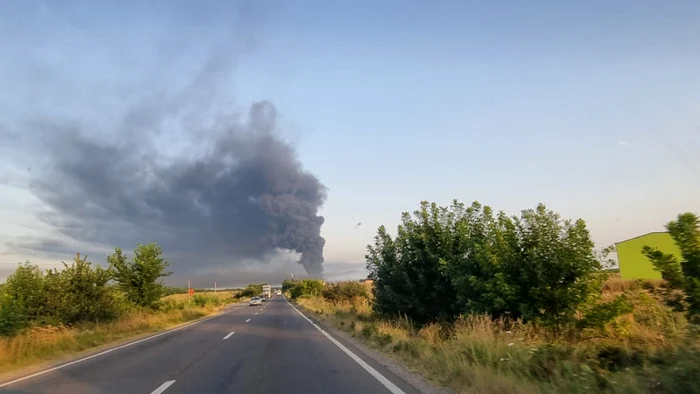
<point>110,350</point>
<point>229,335</point>
<point>383,380</point>
<point>247,320</point>
<point>163,387</point>
<point>256,313</point>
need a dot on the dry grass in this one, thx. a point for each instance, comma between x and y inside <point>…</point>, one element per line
<point>184,297</point>
<point>478,355</point>
<point>43,344</point>
<point>615,284</point>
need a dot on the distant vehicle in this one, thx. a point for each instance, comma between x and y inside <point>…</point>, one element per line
<point>263,299</point>
<point>278,292</point>
<point>267,290</point>
<point>255,301</point>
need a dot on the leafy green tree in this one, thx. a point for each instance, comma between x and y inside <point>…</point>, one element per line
<point>12,315</point>
<point>410,272</point>
<point>139,278</point>
<point>84,293</point>
<point>26,287</point>
<point>307,288</point>
<point>288,284</point>
<point>446,261</point>
<point>685,274</point>
<point>484,251</point>
<point>252,290</point>
<point>344,291</point>
<point>557,272</point>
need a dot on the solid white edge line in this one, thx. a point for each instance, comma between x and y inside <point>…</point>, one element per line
<point>163,387</point>
<point>108,351</point>
<point>229,335</point>
<point>247,320</point>
<point>383,380</point>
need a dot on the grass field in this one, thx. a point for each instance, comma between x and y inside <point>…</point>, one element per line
<point>219,294</point>
<point>41,344</point>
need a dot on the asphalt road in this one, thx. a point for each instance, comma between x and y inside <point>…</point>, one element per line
<point>250,349</point>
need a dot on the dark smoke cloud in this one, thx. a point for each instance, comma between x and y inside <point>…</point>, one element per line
<point>245,196</point>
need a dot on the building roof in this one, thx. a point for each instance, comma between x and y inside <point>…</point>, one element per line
<point>643,235</point>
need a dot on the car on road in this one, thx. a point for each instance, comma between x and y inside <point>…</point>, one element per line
<point>255,301</point>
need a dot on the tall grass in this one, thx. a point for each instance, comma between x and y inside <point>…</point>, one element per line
<point>649,350</point>
<point>40,344</point>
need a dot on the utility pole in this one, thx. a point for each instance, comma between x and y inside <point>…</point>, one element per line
<point>188,287</point>
<point>214,287</point>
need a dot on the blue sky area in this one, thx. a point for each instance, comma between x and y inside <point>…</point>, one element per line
<point>590,107</point>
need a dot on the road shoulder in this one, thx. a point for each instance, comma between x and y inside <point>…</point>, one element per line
<point>417,381</point>
<point>65,360</point>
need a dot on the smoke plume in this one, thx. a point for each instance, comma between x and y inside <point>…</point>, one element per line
<point>241,193</point>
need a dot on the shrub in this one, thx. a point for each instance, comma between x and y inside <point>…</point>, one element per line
<point>139,278</point>
<point>26,287</point>
<point>307,288</point>
<point>344,292</point>
<point>13,316</point>
<point>252,290</point>
<point>445,261</point>
<point>685,274</point>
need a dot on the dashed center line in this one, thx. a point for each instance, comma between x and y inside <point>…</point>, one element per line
<point>256,313</point>
<point>229,335</point>
<point>163,387</point>
<point>247,320</point>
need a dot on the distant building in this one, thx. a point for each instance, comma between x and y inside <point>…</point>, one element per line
<point>267,290</point>
<point>633,264</point>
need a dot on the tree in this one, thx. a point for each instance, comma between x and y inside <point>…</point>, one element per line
<point>26,287</point>
<point>81,292</point>
<point>252,290</point>
<point>307,288</point>
<point>139,278</point>
<point>410,272</point>
<point>288,284</point>
<point>685,274</point>
<point>557,271</point>
<point>344,291</point>
<point>12,315</point>
<point>447,261</point>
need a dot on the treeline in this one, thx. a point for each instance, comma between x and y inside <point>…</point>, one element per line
<point>445,262</point>
<point>332,292</point>
<point>83,292</point>
<point>170,290</point>
<point>251,290</point>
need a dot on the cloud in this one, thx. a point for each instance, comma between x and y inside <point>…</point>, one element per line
<point>246,196</point>
<point>171,162</point>
<point>623,142</point>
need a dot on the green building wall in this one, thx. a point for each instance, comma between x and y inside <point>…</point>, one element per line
<point>633,264</point>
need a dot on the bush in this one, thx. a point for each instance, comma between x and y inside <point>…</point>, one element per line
<point>26,287</point>
<point>202,300</point>
<point>344,292</point>
<point>682,275</point>
<point>81,292</point>
<point>12,315</point>
<point>139,278</point>
<point>307,288</point>
<point>252,290</point>
<point>447,261</point>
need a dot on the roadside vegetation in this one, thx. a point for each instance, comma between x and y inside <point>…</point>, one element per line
<point>488,303</point>
<point>46,314</point>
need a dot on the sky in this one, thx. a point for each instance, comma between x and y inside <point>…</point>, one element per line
<point>592,108</point>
